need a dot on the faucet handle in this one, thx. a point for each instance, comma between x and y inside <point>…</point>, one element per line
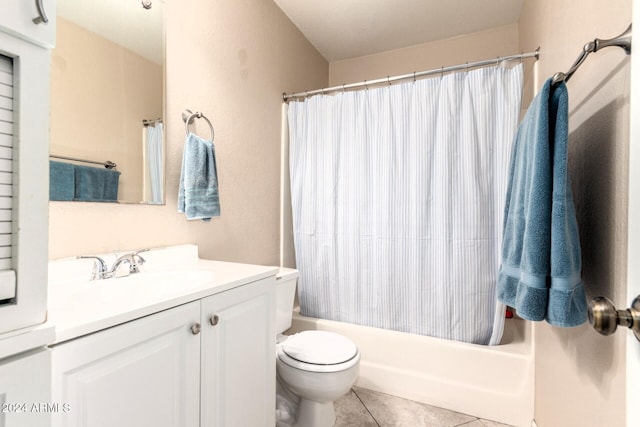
<point>99,267</point>
<point>137,260</point>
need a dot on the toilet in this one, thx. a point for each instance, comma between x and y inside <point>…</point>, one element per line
<point>314,368</point>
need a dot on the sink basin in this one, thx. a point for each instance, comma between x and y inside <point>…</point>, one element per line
<point>172,278</point>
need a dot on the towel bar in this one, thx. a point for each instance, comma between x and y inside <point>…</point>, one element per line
<point>188,117</point>
<point>622,41</point>
<point>605,319</point>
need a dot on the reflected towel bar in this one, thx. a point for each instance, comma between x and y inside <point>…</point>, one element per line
<point>108,164</point>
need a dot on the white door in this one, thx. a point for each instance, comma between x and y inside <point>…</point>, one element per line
<point>142,373</point>
<point>238,357</point>
<point>25,390</point>
<point>633,254</point>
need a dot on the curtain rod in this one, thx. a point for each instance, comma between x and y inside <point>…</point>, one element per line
<point>414,75</point>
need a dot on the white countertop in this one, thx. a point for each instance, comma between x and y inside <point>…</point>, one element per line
<point>170,277</point>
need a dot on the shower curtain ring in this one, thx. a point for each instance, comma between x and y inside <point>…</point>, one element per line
<point>365,85</point>
<point>342,87</point>
<point>414,76</point>
<point>388,81</point>
<point>441,72</point>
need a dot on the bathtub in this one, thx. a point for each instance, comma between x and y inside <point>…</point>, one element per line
<point>496,383</point>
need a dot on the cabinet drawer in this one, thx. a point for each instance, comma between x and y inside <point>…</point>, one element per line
<point>16,17</point>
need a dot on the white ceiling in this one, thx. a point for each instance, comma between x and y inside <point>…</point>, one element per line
<point>342,29</point>
<point>124,22</point>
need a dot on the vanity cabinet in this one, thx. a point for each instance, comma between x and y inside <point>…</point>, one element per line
<point>25,399</point>
<point>142,373</point>
<point>17,18</point>
<point>238,357</point>
<point>210,362</point>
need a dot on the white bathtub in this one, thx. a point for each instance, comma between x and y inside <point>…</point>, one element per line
<point>496,383</point>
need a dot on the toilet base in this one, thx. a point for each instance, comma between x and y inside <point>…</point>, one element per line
<point>315,414</point>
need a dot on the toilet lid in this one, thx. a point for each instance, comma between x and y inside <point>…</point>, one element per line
<point>319,348</point>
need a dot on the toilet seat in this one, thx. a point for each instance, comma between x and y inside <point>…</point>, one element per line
<point>319,351</point>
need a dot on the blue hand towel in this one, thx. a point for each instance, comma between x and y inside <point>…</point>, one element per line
<point>96,184</point>
<point>61,181</point>
<point>198,196</point>
<point>541,260</point>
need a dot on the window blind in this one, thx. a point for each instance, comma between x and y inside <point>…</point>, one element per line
<point>7,276</point>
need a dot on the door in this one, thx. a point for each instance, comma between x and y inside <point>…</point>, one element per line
<point>633,253</point>
<point>142,373</point>
<point>238,357</point>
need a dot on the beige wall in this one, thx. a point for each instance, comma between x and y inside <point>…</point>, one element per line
<point>427,56</point>
<point>100,93</point>
<point>231,60</point>
<point>580,375</point>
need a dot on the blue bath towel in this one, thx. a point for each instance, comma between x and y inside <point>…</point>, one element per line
<point>198,196</point>
<point>541,260</point>
<point>61,181</point>
<point>96,184</point>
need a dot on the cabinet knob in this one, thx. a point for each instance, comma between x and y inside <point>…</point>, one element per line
<point>42,16</point>
<point>214,320</point>
<point>195,328</point>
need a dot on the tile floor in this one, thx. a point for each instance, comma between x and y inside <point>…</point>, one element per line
<point>364,408</point>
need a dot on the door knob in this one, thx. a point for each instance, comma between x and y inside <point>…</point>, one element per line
<point>605,318</point>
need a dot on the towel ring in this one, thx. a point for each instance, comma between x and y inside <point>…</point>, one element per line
<point>188,118</point>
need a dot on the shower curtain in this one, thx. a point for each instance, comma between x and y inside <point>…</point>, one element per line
<point>397,197</point>
<point>153,162</point>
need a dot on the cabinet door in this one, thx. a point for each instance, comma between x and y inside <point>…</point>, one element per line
<point>25,384</point>
<point>17,18</point>
<point>142,373</point>
<point>238,357</point>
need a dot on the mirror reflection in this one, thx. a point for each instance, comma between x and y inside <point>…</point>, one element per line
<point>107,102</point>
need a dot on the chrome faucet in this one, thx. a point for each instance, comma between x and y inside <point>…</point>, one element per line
<point>99,267</point>
<point>100,270</point>
<point>134,259</point>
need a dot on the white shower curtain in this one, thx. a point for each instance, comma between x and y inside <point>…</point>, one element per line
<point>154,163</point>
<point>397,196</point>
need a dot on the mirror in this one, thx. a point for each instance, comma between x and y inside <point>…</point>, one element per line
<point>107,101</point>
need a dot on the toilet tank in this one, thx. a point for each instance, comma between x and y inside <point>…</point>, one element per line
<point>286,280</point>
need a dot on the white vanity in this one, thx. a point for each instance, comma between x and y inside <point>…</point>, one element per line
<point>185,342</point>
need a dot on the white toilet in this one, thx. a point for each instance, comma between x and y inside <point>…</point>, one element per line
<point>317,367</point>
